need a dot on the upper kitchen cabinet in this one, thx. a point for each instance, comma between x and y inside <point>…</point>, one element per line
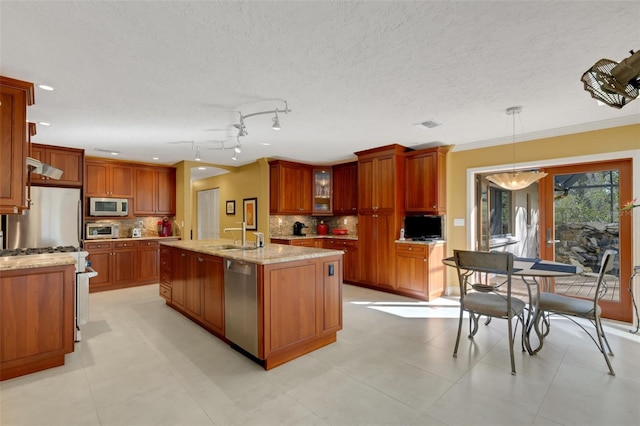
<point>290,188</point>
<point>15,96</point>
<point>381,180</point>
<point>345,188</point>
<point>69,160</point>
<point>108,179</point>
<point>154,191</point>
<point>426,181</point>
<point>322,192</point>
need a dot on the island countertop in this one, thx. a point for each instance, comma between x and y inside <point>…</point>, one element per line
<point>8,263</point>
<point>270,253</point>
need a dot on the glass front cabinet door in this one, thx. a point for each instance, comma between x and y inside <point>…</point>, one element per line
<point>322,192</point>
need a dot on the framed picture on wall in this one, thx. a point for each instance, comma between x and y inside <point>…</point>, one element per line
<point>231,206</point>
<point>250,208</point>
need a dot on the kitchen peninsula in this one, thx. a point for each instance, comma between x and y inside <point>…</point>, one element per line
<point>273,303</point>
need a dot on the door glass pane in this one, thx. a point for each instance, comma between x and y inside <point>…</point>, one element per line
<point>586,224</point>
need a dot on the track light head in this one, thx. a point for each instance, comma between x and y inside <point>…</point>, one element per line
<point>276,122</point>
<point>237,149</point>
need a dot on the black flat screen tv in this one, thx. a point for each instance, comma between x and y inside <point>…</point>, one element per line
<point>424,227</point>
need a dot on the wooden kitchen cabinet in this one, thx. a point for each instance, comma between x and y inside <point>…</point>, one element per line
<point>322,192</point>
<point>380,213</point>
<point>426,181</point>
<point>148,261</point>
<point>108,179</point>
<point>69,160</point>
<point>165,273</point>
<point>125,263</point>
<point>211,272</point>
<point>179,275</point>
<point>420,271</point>
<point>376,242</point>
<point>290,188</point>
<point>195,276</point>
<point>15,96</point>
<point>154,191</point>
<point>345,189</point>
<point>351,261</point>
<point>36,319</point>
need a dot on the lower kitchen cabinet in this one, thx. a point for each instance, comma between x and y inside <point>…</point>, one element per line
<point>165,273</point>
<point>123,264</point>
<point>419,270</point>
<point>351,261</point>
<point>36,319</point>
<point>196,286</point>
<point>148,261</point>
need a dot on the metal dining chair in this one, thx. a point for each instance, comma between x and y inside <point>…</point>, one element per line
<point>571,307</point>
<point>479,298</point>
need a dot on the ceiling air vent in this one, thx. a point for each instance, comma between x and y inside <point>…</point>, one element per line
<point>430,124</point>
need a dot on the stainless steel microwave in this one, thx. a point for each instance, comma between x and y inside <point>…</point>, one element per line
<point>108,207</point>
<point>102,230</point>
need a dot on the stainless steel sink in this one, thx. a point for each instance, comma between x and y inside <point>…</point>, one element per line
<point>221,247</point>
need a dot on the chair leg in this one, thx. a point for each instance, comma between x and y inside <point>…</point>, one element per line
<point>455,349</point>
<point>473,324</point>
<point>601,335</point>
<point>513,363</point>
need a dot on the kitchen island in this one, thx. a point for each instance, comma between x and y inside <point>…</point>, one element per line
<point>36,312</point>
<point>273,303</point>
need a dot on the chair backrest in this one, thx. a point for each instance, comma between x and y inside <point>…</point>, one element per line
<point>606,264</point>
<point>468,263</point>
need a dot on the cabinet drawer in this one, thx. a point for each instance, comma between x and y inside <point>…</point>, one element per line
<point>148,244</point>
<point>125,244</point>
<point>97,246</point>
<point>165,292</point>
<point>417,249</point>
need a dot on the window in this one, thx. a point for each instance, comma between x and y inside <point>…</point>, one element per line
<point>500,212</point>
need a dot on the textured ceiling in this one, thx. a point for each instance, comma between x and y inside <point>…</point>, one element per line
<point>137,77</point>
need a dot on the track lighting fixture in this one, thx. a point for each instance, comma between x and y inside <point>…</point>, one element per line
<point>198,154</point>
<point>237,149</point>
<point>234,157</point>
<point>242,129</point>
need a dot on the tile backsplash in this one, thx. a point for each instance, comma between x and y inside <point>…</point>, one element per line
<point>283,225</point>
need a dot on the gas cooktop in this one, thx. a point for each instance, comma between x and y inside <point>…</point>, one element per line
<point>38,250</point>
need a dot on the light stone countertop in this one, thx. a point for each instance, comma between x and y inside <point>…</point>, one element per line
<point>8,263</point>
<point>421,242</point>
<point>270,253</point>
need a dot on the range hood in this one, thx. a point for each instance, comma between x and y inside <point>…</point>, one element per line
<point>36,166</point>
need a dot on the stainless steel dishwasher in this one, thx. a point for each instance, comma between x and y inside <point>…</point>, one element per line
<point>241,305</point>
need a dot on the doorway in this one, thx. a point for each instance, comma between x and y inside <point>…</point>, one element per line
<point>208,220</point>
<point>580,219</point>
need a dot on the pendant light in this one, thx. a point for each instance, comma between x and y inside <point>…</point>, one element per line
<point>515,180</point>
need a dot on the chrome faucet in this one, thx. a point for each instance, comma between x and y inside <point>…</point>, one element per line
<point>244,233</point>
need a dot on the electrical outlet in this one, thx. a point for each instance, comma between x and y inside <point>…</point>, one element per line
<point>140,224</point>
<point>345,221</point>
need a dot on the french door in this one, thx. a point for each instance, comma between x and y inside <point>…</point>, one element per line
<point>580,219</point>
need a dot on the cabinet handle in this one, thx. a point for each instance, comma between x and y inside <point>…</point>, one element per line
<point>200,259</point>
<point>182,254</point>
<point>410,248</point>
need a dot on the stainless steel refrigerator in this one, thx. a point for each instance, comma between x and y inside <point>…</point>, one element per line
<point>54,219</point>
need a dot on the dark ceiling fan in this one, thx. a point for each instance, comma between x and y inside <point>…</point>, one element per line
<point>615,84</point>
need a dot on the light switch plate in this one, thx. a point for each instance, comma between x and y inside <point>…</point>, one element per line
<point>458,222</point>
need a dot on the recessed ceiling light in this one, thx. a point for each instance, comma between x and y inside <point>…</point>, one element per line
<point>114,153</point>
<point>155,158</point>
<point>45,87</point>
<point>265,143</point>
<point>44,123</point>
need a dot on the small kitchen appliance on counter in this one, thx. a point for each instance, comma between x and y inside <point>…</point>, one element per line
<point>164,227</point>
<point>322,228</point>
<point>136,233</point>
<point>99,230</point>
<point>297,229</point>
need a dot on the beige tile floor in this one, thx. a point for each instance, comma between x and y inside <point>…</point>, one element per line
<point>142,363</point>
